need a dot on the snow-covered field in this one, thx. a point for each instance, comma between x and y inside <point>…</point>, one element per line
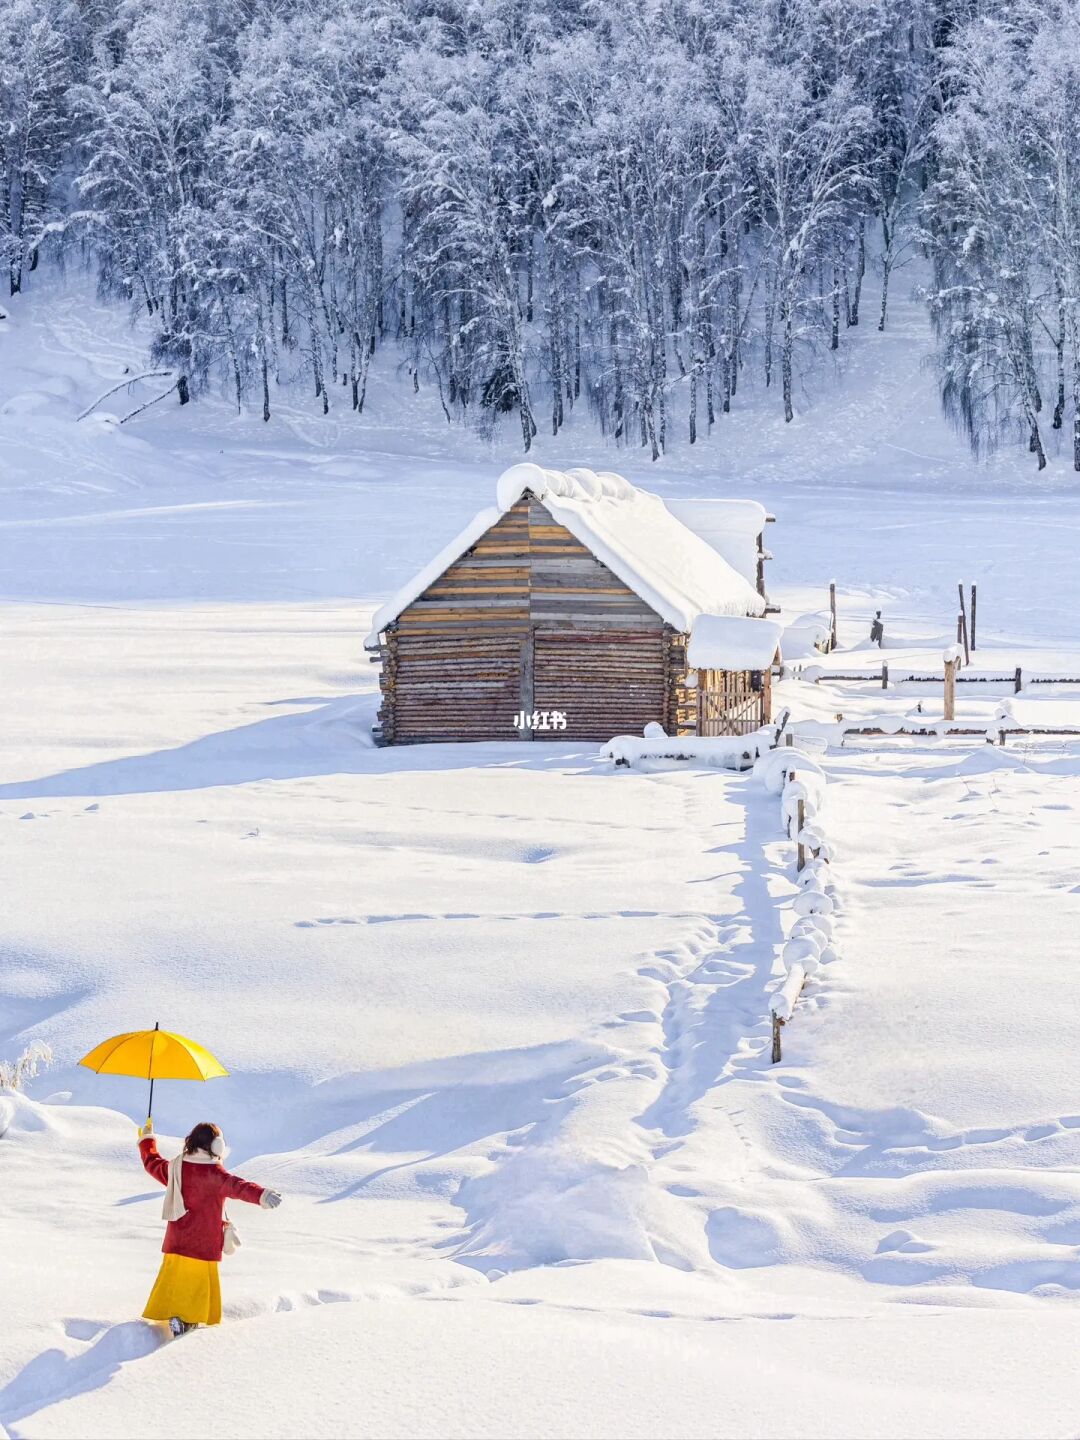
<point>497,1018</point>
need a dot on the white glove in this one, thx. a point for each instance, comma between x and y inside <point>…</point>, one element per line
<point>147,1130</point>
<point>270,1200</point>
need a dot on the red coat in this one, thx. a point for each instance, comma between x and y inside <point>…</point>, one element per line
<point>205,1188</point>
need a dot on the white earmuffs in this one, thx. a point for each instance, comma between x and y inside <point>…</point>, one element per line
<point>217,1146</point>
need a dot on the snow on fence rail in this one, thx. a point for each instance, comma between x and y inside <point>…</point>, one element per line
<point>1017,678</point>
<point>725,752</point>
<point>800,782</point>
<point>1002,723</point>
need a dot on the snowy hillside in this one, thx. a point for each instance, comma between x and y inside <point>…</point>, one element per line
<point>498,1022</point>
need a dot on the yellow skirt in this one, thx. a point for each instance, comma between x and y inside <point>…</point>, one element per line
<point>188,1289</point>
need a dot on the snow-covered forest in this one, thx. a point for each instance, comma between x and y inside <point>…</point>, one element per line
<point>640,209</point>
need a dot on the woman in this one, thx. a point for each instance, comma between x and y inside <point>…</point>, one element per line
<point>186,1292</point>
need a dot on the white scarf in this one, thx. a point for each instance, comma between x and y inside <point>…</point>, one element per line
<point>174,1207</point>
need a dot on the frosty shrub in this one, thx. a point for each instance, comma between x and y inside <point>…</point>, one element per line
<point>15,1073</point>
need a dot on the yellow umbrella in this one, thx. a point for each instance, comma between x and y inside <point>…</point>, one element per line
<point>156,1054</point>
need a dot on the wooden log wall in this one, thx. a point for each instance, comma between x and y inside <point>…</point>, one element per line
<point>606,683</point>
<point>682,696</point>
<point>451,662</point>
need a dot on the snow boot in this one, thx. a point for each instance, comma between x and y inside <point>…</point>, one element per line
<point>181,1327</point>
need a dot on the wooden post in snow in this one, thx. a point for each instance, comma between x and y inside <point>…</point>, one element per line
<point>884,677</point>
<point>1018,681</point>
<point>776,1024</point>
<point>800,820</point>
<point>959,629</point>
<point>973,617</point>
<point>832,614</point>
<point>964,623</point>
<point>950,689</point>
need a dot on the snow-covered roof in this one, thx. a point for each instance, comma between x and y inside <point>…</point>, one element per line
<point>731,642</point>
<point>675,571</point>
<point>731,527</point>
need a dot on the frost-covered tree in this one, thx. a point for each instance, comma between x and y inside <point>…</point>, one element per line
<point>1051,105</point>
<point>989,279</point>
<point>559,208</point>
<point>35,122</point>
<point>811,176</point>
<point>146,118</point>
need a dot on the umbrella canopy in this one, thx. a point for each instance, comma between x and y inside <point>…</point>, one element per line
<point>153,1055</point>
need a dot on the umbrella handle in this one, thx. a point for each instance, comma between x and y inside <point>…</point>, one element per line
<point>150,1077</point>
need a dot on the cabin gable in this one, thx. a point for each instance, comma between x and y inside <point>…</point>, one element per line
<point>529,621</point>
<point>527,618</point>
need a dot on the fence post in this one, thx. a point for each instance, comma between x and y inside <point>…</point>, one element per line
<point>950,689</point>
<point>1017,681</point>
<point>776,1024</point>
<point>964,624</point>
<point>884,677</point>
<point>832,615</point>
<point>973,617</point>
<point>800,820</point>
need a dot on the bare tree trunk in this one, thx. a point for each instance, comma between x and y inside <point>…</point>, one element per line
<point>317,370</point>
<point>787,357</point>
<point>234,358</point>
<point>649,429</point>
<point>735,332</point>
<point>619,400</point>
<point>577,334</point>
<point>834,335</point>
<point>366,352</point>
<point>1059,347</point>
<point>885,274</point>
<point>286,335</point>
<point>860,271</point>
<point>1030,373</point>
<point>1036,445</point>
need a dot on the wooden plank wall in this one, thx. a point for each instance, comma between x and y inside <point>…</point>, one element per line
<point>570,589</point>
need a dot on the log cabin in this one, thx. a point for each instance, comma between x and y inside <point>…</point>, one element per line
<point>580,607</point>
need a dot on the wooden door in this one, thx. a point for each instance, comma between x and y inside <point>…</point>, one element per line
<point>728,703</point>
